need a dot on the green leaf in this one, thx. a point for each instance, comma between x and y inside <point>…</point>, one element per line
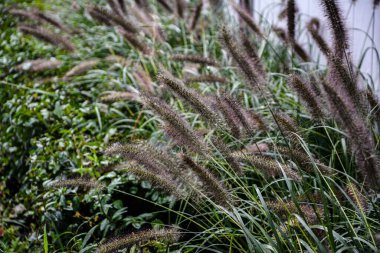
<point>46,244</point>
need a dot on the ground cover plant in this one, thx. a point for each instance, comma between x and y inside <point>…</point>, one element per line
<point>157,126</point>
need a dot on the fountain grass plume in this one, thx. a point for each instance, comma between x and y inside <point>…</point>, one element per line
<point>357,197</point>
<point>178,128</point>
<point>284,208</point>
<point>335,19</point>
<point>255,120</point>
<point>251,51</point>
<point>122,6</point>
<point>188,95</point>
<point>83,182</point>
<point>340,74</point>
<point>144,81</point>
<point>300,51</point>
<point>137,153</point>
<point>304,160</point>
<point>118,59</point>
<point>207,78</point>
<point>288,127</point>
<point>212,185</point>
<point>249,120</point>
<point>24,13</point>
<point>181,6</point>
<point>230,117</point>
<point>114,96</point>
<point>80,68</point>
<point>196,15</point>
<point>311,100</point>
<point>269,167</point>
<point>161,182</point>
<point>226,153</point>
<point>313,28</point>
<point>165,5</point>
<point>235,112</point>
<point>48,19</point>
<point>99,14</point>
<point>362,143</point>
<point>247,18</point>
<point>38,65</point>
<point>105,16</point>
<point>135,42</point>
<point>170,235</point>
<point>116,7</point>
<point>39,16</point>
<point>245,65</point>
<point>291,19</point>
<point>156,154</point>
<point>295,45</point>
<point>194,59</point>
<point>48,36</point>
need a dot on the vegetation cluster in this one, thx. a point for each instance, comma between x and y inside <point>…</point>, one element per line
<point>184,126</point>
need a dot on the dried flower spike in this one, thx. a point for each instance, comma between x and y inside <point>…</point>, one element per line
<point>38,65</point>
<point>120,96</point>
<point>135,42</point>
<point>47,36</point>
<point>86,183</point>
<point>165,4</point>
<point>167,234</point>
<point>210,183</point>
<point>176,126</point>
<point>334,15</point>
<point>244,63</point>
<point>205,79</point>
<point>356,196</point>
<point>248,20</point>
<point>291,13</point>
<point>270,167</point>
<point>308,96</point>
<point>164,183</point>
<point>313,28</point>
<point>196,16</point>
<point>194,59</point>
<point>190,96</point>
<point>80,68</point>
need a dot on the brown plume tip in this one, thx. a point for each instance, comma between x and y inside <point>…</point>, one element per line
<point>247,18</point>
<point>194,59</point>
<point>334,15</point>
<point>114,96</point>
<point>313,28</point>
<point>81,68</point>
<point>205,79</point>
<point>291,15</point>
<point>83,182</point>
<point>38,65</point>
<point>48,36</point>
<point>170,235</point>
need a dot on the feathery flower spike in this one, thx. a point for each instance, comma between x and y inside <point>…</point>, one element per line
<point>48,36</point>
<point>167,234</point>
